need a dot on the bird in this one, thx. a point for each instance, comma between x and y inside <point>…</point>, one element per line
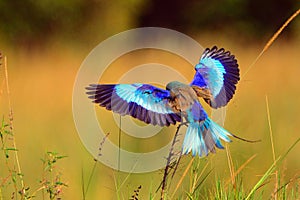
<point>215,80</point>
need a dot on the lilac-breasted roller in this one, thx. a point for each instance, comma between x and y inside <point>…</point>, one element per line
<point>215,81</point>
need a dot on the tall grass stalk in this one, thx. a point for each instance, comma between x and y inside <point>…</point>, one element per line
<point>230,165</point>
<point>269,172</point>
<point>14,146</point>
<point>196,183</point>
<point>273,149</point>
<point>86,189</point>
<point>272,39</point>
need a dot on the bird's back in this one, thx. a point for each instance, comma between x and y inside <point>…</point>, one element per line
<point>183,96</point>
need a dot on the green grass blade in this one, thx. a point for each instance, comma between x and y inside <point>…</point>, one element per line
<point>270,170</point>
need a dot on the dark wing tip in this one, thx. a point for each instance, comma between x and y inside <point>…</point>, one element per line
<point>100,94</point>
<point>231,77</point>
<point>91,89</point>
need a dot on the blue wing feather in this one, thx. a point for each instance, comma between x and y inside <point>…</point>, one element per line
<point>218,71</point>
<point>142,101</point>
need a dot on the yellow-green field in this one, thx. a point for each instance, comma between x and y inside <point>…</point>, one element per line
<point>41,85</point>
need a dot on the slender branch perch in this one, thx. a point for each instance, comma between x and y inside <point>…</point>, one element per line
<point>169,159</point>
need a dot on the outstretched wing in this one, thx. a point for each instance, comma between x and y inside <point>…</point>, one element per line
<point>218,73</point>
<point>144,102</point>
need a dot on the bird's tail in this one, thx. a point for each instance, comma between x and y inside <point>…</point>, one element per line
<point>202,137</point>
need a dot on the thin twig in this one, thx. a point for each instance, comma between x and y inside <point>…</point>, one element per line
<point>167,168</point>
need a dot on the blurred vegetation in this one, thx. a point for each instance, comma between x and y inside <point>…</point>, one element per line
<point>249,18</point>
<point>32,23</point>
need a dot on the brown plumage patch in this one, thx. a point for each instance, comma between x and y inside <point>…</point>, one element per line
<point>182,98</point>
<point>202,92</point>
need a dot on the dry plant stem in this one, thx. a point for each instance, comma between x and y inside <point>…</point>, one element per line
<point>270,129</point>
<point>230,165</point>
<point>39,189</point>
<point>240,169</point>
<point>182,177</point>
<point>294,179</point>
<point>273,38</point>
<point>167,168</point>
<point>11,123</point>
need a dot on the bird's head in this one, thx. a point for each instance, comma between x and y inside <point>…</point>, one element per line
<point>174,84</point>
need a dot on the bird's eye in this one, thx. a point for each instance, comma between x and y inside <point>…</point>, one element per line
<point>147,92</point>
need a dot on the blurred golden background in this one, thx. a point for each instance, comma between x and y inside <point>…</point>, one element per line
<point>45,43</point>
